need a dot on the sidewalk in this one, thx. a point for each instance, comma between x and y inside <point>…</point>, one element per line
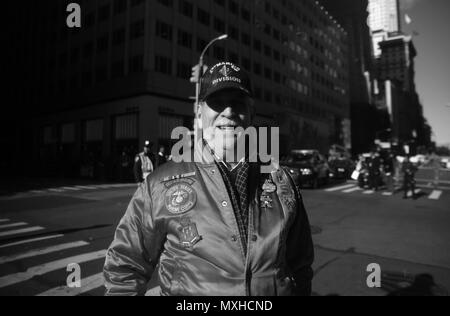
<point>11,186</point>
<point>343,273</point>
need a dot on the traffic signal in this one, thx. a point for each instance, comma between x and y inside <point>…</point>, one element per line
<point>195,77</point>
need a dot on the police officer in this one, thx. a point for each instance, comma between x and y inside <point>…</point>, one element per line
<point>216,226</point>
<point>144,163</point>
<point>409,182</point>
<point>374,171</point>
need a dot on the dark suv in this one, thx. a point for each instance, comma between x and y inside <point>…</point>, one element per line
<point>311,166</point>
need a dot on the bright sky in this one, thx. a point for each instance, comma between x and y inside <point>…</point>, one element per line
<point>431,19</point>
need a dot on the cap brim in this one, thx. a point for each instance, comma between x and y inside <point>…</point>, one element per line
<point>226,86</point>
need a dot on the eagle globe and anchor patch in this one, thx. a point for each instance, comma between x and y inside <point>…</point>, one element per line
<point>180,197</point>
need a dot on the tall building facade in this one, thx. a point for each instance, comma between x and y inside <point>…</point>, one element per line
<point>384,19</point>
<point>97,92</point>
<point>353,16</point>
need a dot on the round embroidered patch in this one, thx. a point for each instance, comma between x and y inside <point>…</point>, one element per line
<point>180,198</point>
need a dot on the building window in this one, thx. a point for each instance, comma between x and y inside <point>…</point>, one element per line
<point>117,69</point>
<point>167,3</point>
<point>103,13</point>
<point>137,64</point>
<point>137,29</point>
<point>233,6</point>
<point>257,45</point>
<point>201,44</point>
<point>245,14</point>
<point>163,30</point>
<point>101,73</point>
<point>203,17</point>
<point>268,73</point>
<point>267,96</point>
<point>88,49</point>
<point>257,68</point>
<point>120,6</point>
<point>233,32</point>
<point>219,25</point>
<point>186,8</point>
<point>118,37</point>
<point>184,39</point>
<point>135,3</point>
<point>267,51</point>
<point>220,2</point>
<point>183,70</point>
<point>245,37</point>
<point>163,65</point>
<point>102,43</point>
<point>246,64</point>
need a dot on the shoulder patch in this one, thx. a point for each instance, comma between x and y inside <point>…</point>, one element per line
<point>180,197</point>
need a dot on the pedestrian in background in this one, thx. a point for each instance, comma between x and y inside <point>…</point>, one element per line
<point>144,163</point>
<point>409,183</point>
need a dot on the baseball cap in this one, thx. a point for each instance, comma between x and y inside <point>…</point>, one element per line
<point>224,76</point>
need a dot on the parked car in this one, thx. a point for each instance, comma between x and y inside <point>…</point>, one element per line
<point>311,166</point>
<point>341,168</point>
<point>445,162</point>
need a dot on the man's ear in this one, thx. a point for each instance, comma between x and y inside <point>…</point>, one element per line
<point>199,115</point>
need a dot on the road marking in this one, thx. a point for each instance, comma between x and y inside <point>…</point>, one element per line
<point>42,251</point>
<point>388,193</point>
<point>352,190</point>
<point>84,187</point>
<point>21,231</point>
<point>70,188</point>
<point>87,284</point>
<point>435,195</point>
<point>55,190</point>
<point>27,241</point>
<point>417,192</point>
<point>13,225</point>
<point>4,220</point>
<point>340,188</point>
<point>49,267</point>
<point>369,192</point>
<point>37,191</point>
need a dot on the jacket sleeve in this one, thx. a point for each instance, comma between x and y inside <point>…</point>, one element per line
<point>300,249</point>
<point>133,255</point>
<point>138,170</point>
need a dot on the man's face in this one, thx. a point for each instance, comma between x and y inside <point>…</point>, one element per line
<point>146,150</point>
<point>221,114</point>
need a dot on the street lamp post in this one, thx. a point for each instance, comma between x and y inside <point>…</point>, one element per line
<point>198,76</point>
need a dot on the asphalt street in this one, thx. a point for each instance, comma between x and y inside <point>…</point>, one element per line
<point>43,231</point>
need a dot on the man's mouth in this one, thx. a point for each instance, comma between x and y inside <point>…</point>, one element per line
<point>227,127</point>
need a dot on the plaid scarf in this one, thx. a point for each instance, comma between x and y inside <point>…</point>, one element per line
<point>236,181</point>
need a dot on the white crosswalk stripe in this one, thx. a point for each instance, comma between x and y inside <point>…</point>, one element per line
<point>28,241</point>
<point>4,220</point>
<point>13,225</point>
<point>369,192</point>
<point>87,284</point>
<point>435,195</point>
<point>417,191</point>
<point>42,251</point>
<point>55,190</point>
<point>84,187</point>
<point>49,267</point>
<point>354,189</point>
<point>70,188</point>
<point>340,188</point>
<point>21,231</point>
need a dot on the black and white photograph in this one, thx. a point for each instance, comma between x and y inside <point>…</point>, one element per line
<point>225,152</point>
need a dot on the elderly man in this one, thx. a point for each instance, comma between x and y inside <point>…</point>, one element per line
<point>216,226</point>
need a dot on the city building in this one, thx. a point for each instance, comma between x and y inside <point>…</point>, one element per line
<point>384,20</point>
<point>365,117</point>
<point>95,93</point>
